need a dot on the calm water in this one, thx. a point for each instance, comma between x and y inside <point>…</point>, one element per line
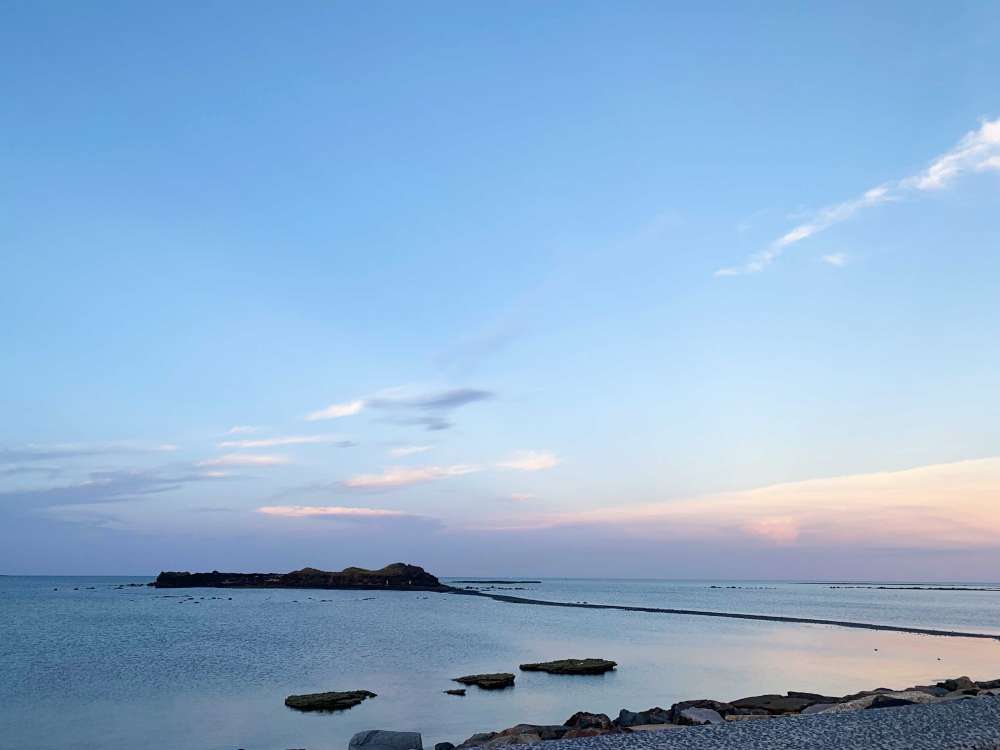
<point>100,667</point>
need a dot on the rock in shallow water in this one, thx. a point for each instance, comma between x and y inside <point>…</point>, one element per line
<point>571,666</point>
<point>327,701</point>
<point>492,681</point>
<point>381,739</point>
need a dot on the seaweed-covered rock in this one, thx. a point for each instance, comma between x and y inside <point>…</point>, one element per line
<point>571,666</point>
<point>491,681</point>
<point>327,701</point>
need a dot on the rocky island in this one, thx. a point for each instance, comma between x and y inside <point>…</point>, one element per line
<point>394,577</point>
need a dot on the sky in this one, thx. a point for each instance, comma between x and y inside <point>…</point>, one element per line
<point>633,289</point>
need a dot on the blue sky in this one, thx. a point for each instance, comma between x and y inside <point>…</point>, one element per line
<point>592,288</point>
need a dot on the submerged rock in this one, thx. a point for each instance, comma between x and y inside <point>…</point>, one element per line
<point>382,739</point>
<point>327,701</point>
<point>456,691</point>
<point>493,681</point>
<point>571,666</point>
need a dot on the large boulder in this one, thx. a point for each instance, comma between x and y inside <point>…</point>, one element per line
<point>655,715</point>
<point>890,701</point>
<point>381,739</point>
<point>585,720</point>
<point>776,704</point>
<point>571,666</point>
<point>491,681</point>
<point>699,716</point>
<point>721,708</point>
<point>958,683</point>
<point>327,701</point>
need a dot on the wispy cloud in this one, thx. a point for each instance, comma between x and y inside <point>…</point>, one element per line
<point>55,451</point>
<point>521,497</point>
<point>432,407</point>
<point>243,429</point>
<point>328,511</point>
<point>402,476</point>
<point>838,260</point>
<point>105,487</point>
<point>530,461</point>
<point>245,459</point>
<point>336,411</point>
<point>408,450</point>
<point>336,440</point>
<point>978,151</point>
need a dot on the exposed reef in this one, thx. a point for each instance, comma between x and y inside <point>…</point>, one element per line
<point>328,701</point>
<point>571,666</point>
<point>494,681</point>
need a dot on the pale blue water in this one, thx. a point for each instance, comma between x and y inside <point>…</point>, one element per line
<point>140,668</point>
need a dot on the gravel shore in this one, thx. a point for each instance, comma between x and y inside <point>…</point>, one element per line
<point>960,725</point>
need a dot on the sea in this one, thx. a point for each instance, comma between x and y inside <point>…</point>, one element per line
<point>98,664</point>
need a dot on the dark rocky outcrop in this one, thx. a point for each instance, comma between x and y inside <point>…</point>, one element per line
<point>585,720</point>
<point>655,715</point>
<point>778,704</point>
<point>571,666</point>
<point>958,684</point>
<point>456,691</point>
<point>493,681</point>
<point>685,714</point>
<point>327,701</point>
<point>889,701</point>
<point>723,709</point>
<point>398,576</point>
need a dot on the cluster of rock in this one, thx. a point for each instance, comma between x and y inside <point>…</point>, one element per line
<point>501,680</point>
<point>707,711</point>
<point>398,576</point>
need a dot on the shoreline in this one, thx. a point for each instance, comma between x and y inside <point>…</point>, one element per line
<point>505,598</point>
<point>636,728</point>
